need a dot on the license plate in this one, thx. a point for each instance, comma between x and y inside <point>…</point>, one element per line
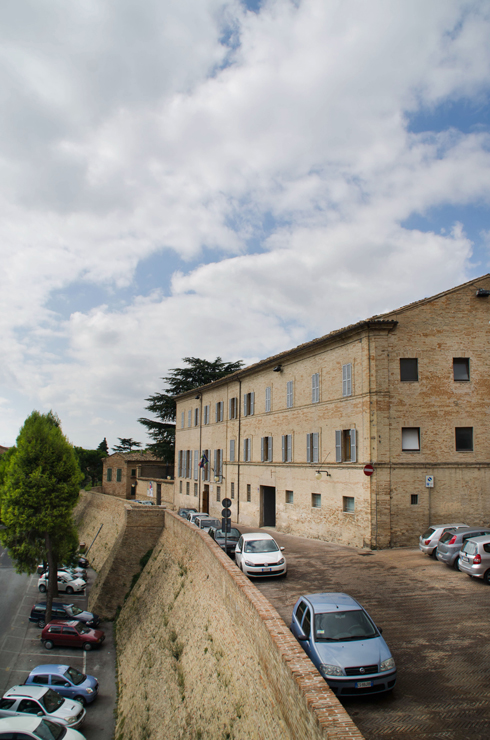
<point>463,557</point>
<point>363,684</point>
<point>266,570</point>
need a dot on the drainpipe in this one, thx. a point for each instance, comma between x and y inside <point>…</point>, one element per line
<point>199,470</point>
<point>239,445</point>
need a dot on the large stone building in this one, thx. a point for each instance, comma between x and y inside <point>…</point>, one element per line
<point>287,439</point>
<point>125,472</point>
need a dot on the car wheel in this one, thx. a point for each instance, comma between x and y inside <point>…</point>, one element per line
<point>81,699</point>
<point>486,577</point>
<point>434,553</point>
<point>42,588</point>
<point>87,646</point>
<point>69,590</point>
<point>456,564</point>
<point>41,624</point>
<point>48,645</point>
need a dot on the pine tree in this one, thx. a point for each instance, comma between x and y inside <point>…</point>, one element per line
<point>104,446</point>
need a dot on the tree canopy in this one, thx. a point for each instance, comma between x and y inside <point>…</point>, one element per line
<point>180,379</point>
<point>126,444</point>
<point>104,446</point>
<point>39,489</point>
<point>90,462</point>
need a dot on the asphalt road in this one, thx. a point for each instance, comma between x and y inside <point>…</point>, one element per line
<point>21,649</point>
<point>435,620</point>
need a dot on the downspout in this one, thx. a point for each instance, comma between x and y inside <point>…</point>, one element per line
<point>370,449</point>
<point>238,451</point>
<point>199,470</point>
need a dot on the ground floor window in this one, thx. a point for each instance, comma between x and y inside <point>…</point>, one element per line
<point>316,500</point>
<point>249,492</point>
<point>414,499</point>
<point>187,488</point>
<point>289,497</point>
<point>218,493</point>
<point>464,439</point>
<point>195,489</point>
<point>180,486</point>
<point>232,490</point>
<point>348,504</point>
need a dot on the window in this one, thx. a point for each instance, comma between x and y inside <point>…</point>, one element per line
<point>316,500</point>
<point>248,404</point>
<point>218,493</point>
<point>189,418</point>
<point>249,492</point>
<point>289,497</point>
<point>312,447</point>
<point>345,445</point>
<point>206,414</point>
<point>218,465</point>
<point>464,439</point>
<point>196,417</point>
<point>119,475</point>
<point>109,474</point>
<point>205,466</point>
<point>414,499</point>
<point>409,369</point>
<point>289,394</point>
<point>133,472</point>
<point>348,504</point>
<point>232,490</point>
<point>232,450</point>
<point>347,380</point>
<point>180,486</point>
<point>187,488</point>
<point>179,464</point>
<point>247,449</point>
<point>182,420</point>
<point>196,464</point>
<point>195,489</point>
<point>287,448</point>
<point>268,399</point>
<point>266,449</point>
<point>315,388</point>
<point>219,411</point>
<point>233,408</point>
<point>461,368</point>
<point>189,464</point>
<point>411,439</point>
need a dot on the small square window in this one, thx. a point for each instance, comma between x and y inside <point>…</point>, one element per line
<point>249,492</point>
<point>411,439</point>
<point>409,369</point>
<point>348,503</point>
<point>133,472</point>
<point>289,497</point>
<point>461,368</point>
<point>464,439</point>
<point>414,499</point>
<point>316,500</point>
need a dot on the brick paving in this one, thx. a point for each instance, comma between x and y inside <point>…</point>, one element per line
<point>435,620</point>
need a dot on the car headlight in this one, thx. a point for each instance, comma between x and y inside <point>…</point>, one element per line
<point>250,565</point>
<point>387,664</point>
<point>89,691</point>
<point>280,562</point>
<point>71,720</point>
<point>331,670</point>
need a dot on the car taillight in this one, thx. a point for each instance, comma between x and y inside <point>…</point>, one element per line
<point>452,540</point>
<point>427,542</point>
<point>477,559</point>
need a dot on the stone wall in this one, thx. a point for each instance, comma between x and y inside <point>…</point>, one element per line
<point>202,654</point>
<point>92,511</point>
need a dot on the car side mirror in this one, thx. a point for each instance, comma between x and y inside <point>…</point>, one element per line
<point>301,636</point>
<point>281,548</point>
<point>380,630</point>
<point>40,714</point>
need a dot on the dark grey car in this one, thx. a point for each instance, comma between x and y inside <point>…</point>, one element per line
<point>453,541</point>
<point>226,542</point>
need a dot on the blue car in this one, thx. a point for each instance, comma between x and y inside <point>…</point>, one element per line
<point>66,680</point>
<point>345,645</point>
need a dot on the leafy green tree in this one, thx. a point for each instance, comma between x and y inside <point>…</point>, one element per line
<point>104,446</point>
<point>90,462</point>
<point>181,379</point>
<point>127,444</point>
<point>39,490</point>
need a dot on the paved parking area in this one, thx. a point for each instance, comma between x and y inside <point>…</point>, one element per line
<point>435,620</point>
<point>21,650</point>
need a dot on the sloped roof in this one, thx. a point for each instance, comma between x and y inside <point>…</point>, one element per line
<point>385,319</point>
<point>137,456</point>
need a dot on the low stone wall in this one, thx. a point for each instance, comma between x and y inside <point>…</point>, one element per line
<point>202,654</point>
<point>92,510</point>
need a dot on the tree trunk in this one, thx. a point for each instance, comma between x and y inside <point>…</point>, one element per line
<point>52,591</point>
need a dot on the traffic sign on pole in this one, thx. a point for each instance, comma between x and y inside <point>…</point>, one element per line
<point>368,469</point>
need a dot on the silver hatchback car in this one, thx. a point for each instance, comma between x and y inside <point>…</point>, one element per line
<point>428,541</point>
<point>474,558</point>
<point>452,542</point>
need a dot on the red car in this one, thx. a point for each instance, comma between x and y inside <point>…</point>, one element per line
<point>71,634</point>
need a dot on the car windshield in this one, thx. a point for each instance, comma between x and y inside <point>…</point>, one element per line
<point>75,676</point>
<point>261,546</point>
<point>81,628</point>
<point>47,730</point>
<point>446,537</point>
<point>233,534</point>
<point>74,610</point>
<point>470,547</point>
<point>427,535</point>
<point>342,626</point>
<point>209,523</point>
<point>51,701</point>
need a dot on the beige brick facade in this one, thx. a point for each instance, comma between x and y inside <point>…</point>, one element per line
<point>131,475</point>
<point>360,396</point>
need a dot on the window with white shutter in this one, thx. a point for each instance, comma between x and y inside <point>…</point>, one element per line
<point>232,450</point>
<point>182,420</point>
<point>289,394</point>
<point>196,464</point>
<point>287,447</point>
<point>247,449</point>
<point>268,399</point>
<point>315,388</point>
<point>196,417</point>
<point>189,418</point>
<point>312,447</point>
<point>345,445</point>
<point>206,414</point>
<point>248,404</point>
<point>233,408</point>
<point>347,380</point>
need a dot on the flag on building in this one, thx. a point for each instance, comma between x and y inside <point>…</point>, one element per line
<point>204,460</point>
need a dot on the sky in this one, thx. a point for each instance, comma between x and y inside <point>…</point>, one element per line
<point>220,178</point>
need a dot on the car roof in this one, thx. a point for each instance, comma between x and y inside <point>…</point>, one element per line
<point>26,722</point>
<point>442,526</point>
<point>55,603</point>
<point>257,536</point>
<point>31,692</point>
<point>329,601</point>
<point>50,668</point>
<point>482,539</point>
<point>64,622</point>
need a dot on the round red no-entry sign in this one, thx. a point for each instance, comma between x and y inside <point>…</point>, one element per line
<point>368,469</point>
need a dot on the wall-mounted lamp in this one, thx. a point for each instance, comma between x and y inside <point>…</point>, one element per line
<point>198,396</point>
<point>318,475</point>
<point>278,369</point>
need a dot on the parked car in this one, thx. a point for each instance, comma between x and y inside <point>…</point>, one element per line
<point>65,583</point>
<point>63,612</point>
<point>452,542</point>
<point>28,726</point>
<point>81,561</point>
<point>343,642</point>
<point>145,503</point>
<point>231,539</point>
<point>75,572</point>
<point>192,515</point>
<point>428,541</point>
<point>71,634</point>
<point>204,522</point>
<point>42,701</point>
<point>474,558</point>
<point>258,554</point>
<point>66,680</point>
<point>184,512</point>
